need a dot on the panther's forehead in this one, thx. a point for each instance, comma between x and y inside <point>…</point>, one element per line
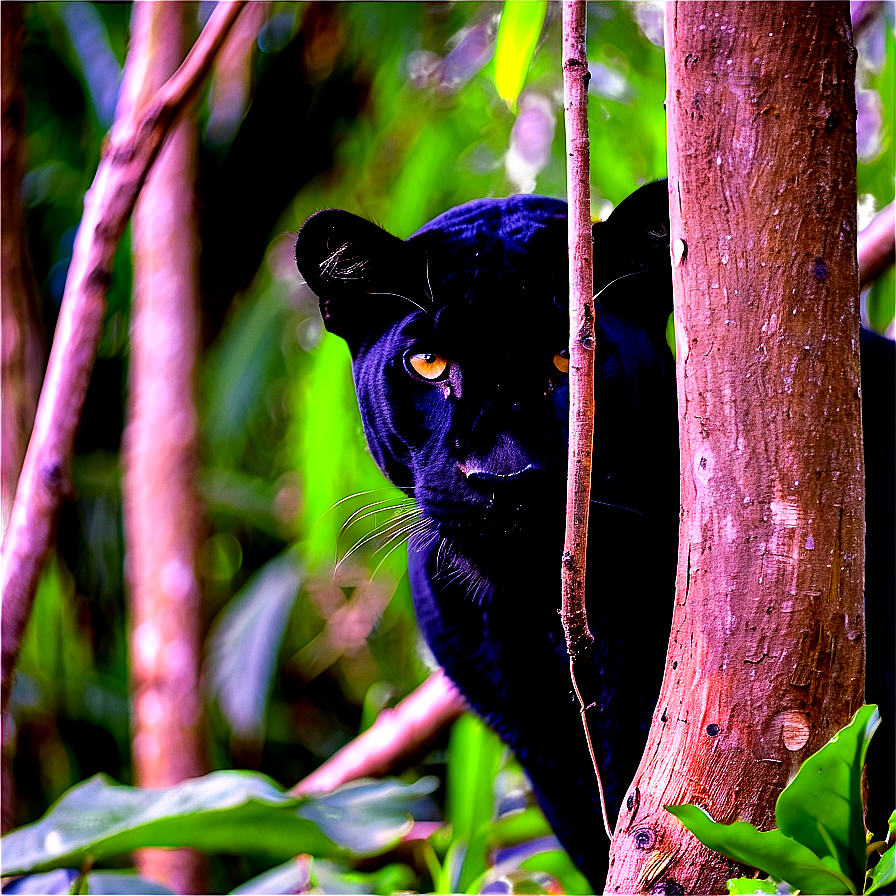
<point>514,220</point>
<point>499,314</point>
<point>497,276</point>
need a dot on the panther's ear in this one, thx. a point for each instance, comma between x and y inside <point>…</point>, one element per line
<point>361,274</point>
<point>632,267</point>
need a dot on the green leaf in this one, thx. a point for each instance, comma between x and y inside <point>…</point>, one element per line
<point>47,884</point>
<point>538,863</point>
<point>891,828</point>
<point>745,886</point>
<point>884,872</point>
<point>560,866</point>
<point>367,817</point>
<point>112,882</point>
<point>822,806</point>
<point>290,877</point>
<point>64,880</point>
<point>518,33</point>
<point>474,758</point>
<point>227,811</point>
<point>245,640</point>
<point>521,825</point>
<point>769,851</point>
<point>332,877</point>
<point>323,876</point>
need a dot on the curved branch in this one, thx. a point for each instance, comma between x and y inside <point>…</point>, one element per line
<point>877,245</point>
<point>130,149</point>
<point>394,737</point>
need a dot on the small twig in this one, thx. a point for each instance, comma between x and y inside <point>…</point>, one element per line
<point>581,353</point>
<point>396,735</point>
<point>128,154</point>
<point>600,783</point>
<point>581,329</point>
<point>877,245</point>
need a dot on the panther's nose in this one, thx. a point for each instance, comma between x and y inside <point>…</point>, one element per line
<point>499,461</point>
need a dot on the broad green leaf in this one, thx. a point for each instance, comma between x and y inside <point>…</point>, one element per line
<point>452,866</point>
<point>62,880</point>
<point>746,886</point>
<point>519,826</point>
<point>822,806</point>
<point>112,882</point>
<point>560,866</point>
<point>305,874</point>
<point>290,877</point>
<point>529,864</point>
<point>46,884</point>
<point>228,811</point>
<point>367,817</point>
<point>891,828</point>
<point>884,872</point>
<point>244,643</point>
<point>333,877</point>
<point>239,369</point>
<point>330,453</point>
<point>518,33</point>
<point>474,755</point>
<point>769,851</point>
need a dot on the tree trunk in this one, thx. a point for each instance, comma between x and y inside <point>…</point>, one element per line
<point>24,354</point>
<point>766,655</point>
<point>23,349</point>
<point>162,514</point>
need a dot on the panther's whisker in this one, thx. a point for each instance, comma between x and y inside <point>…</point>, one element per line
<point>617,506</point>
<point>418,527</point>
<point>387,530</point>
<point>399,296</point>
<point>400,512</point>
<point>597,295</point>
<point>431,294</point>
<point>441,555</point>
<point>368,491</point>
<point>373,509</point>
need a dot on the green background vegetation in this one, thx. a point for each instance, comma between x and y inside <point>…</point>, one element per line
<point>391,111</point>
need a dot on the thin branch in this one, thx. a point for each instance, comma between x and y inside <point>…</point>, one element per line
<point>877,245</point>
<point>581,328</point>
<point>396,735</point>
<point>581,353</point>
<point>130,150</point>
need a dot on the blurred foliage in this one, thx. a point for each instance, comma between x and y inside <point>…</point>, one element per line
<point>390,110</point>
<point>226,811</point>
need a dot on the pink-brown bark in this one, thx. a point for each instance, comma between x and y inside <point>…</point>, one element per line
<point>766,655</point>
<point>581,326</point>
<point>163,520</point>
<point>23,354</point>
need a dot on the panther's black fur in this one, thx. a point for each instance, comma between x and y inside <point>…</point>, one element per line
<point>457,337</point>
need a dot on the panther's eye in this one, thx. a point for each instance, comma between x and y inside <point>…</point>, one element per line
<point>426,365</point>
<point>561,361</point>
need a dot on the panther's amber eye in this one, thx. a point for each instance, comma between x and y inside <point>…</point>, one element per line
<point>561,361</point>
<point>426,365</point>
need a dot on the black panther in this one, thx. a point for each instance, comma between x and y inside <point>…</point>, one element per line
<point>458,338</point>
